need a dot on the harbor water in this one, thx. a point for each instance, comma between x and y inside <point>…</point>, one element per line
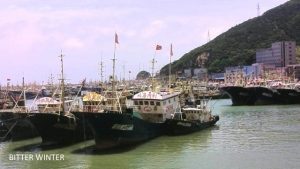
<point>246,137</point>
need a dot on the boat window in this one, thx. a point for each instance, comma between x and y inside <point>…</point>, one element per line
<point>141,102</point>
<point>152,103</point>
<point>157,103</point>
<point>146,102</point>
<point>136,103</point>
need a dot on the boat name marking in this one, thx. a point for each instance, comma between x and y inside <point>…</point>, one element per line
<point>122,127</point>
<point>184,124</point>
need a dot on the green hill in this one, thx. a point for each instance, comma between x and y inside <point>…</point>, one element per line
<point>238,45</point>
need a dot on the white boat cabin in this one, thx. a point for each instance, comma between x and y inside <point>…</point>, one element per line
<point>156,107</point>
<point>200,113</point>
<point>50,105</point>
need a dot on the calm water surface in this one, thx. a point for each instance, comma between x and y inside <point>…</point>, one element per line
<point>266,137</point>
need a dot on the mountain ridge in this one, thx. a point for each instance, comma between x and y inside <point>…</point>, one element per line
<point>238,45</point>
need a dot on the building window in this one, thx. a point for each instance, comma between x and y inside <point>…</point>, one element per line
<point>141,102</point>
<point>136,103</point>
<point>146,103</point>
<point>152,103</point>
<point>157,103</point>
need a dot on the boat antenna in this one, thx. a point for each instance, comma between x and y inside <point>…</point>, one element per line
<point>62,96</point>
<point>258,10</point>
<point>208,36</point>
<point>101,69</point>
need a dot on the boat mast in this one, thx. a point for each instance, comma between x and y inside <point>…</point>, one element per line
<point>152,77</point>
<point>113,76</point>
<point>62,96</point>
<point>51,83</point>
<point>24,94</point>
<point>171,54</point>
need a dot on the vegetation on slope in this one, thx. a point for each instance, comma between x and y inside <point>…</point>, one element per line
<point>238,45</point>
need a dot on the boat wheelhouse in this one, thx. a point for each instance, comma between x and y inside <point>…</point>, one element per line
<point>93,102</point>
<point>50,105</point>
<point>156,107</point>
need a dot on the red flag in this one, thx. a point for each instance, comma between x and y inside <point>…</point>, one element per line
<point>116,38</point>
<point>158,47</point>
<point>171,50</point>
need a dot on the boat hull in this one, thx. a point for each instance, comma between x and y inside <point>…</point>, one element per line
<point>182,127</point>
<point>121,129</point>
<point>17,125</point>
<point>261,95</point>
<point>57,129</point>
<point>240,95</point>
<point>289,96</point>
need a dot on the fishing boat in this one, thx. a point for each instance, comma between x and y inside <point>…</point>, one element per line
<point>273,93</point>
<point>54,121</point>
<point>14,124</point>
<point>123,125</point>
<point>240,95</point>
<point>190,119</point>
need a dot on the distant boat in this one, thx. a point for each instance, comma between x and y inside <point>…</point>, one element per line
<point>190,119</point>
<point>262,95</point>
<point>240,95</point>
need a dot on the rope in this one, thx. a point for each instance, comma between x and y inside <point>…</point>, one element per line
<point>12,119</point>
<point>9,130</point>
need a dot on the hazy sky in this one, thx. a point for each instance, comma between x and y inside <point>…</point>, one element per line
<point>33,33</point>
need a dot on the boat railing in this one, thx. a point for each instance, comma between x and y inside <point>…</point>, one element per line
<point>93,108</point>
<point>21,109</point>
<point>49,109</point>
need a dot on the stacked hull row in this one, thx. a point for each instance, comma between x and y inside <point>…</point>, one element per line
<point>108,129</point>
<point>261,95</point>
<point>110,121</point>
